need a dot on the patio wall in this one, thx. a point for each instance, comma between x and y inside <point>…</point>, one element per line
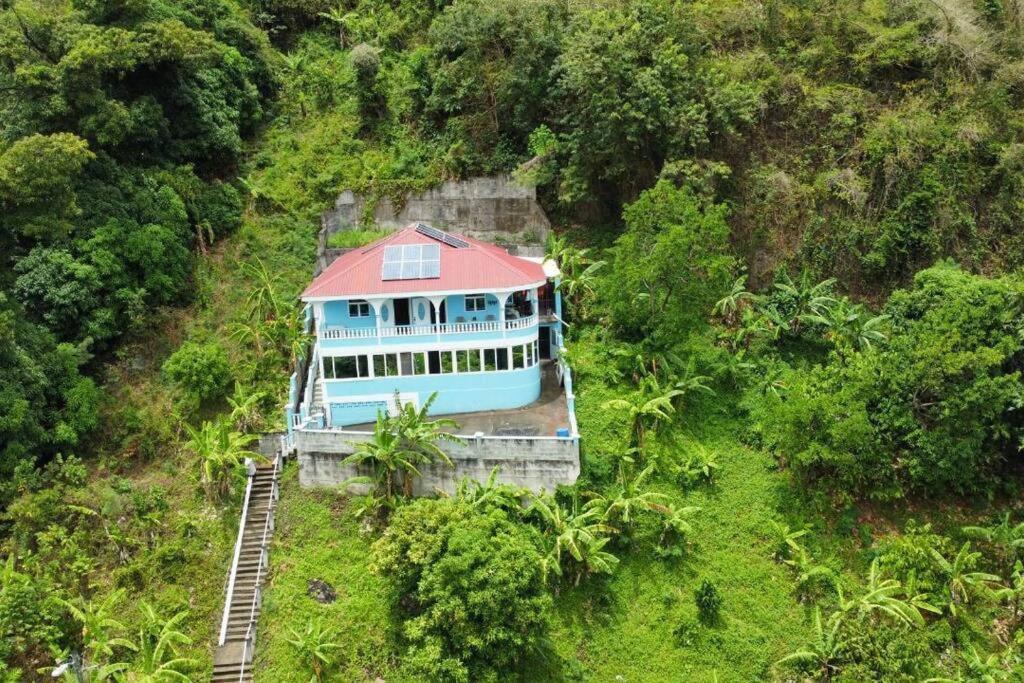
<point>531,462</point>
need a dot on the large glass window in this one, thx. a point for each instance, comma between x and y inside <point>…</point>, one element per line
<point>419,363</point>
<point>447,366</point>
<point>462,359</point>
<point>363,365</point>
<point>341,367</point>
<point>489,360</point>
<point>358,309</point>
<point>434,362</point>
<point>476,302</point>
<point>406,363</point>
<point>379,365</point>
<point>503,359</point>
<point>518,358</point>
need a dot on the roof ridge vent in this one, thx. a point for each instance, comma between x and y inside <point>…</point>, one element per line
<point>441,236</point>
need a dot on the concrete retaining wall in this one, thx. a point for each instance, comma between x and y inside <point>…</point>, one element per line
<point>491,208</point>
<point>531,462</point>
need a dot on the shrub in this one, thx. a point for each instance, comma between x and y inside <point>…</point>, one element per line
<point>469,586</point>
<point>201,371</point>
<point>709,602</point>
<point>932,413</point>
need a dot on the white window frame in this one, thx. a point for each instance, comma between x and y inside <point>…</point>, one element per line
<point>361,308</point>
<point>478,300</point>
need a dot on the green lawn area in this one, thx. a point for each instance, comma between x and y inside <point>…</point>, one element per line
<point>317,537</point>
<point>629,632</point>
<point>621,626</point>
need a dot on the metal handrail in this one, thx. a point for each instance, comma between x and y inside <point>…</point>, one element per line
<point>256,594</point>
<point>229,593</point>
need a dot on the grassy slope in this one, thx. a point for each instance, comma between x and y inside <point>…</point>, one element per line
<point>602,629</point>
<point>633,637</point>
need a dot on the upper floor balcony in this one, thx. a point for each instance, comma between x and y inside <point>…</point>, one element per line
<point>391,332</point>
<point>466,317</point>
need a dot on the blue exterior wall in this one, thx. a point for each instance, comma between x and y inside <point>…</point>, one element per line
<point>456,393</point>
<point>455,306</point>
<point>336,313</point>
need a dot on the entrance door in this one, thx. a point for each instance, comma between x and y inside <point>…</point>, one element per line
<point>544,341</point>
<point>401,311</point>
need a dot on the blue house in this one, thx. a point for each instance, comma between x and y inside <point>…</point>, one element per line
<point>424,311</point>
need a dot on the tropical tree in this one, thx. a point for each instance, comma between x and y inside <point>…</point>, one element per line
<point>812,579</point>
<point>823,656</point>
<point>574,539</point>
<point>221,452</point>
<point>314,646</point>
<point>1005,538</point>
<point>627,500</point>
<point>675,524</point>
<point>645,410</point>
<point>883,596</point>
<point>158,659</point>
<point>340,18</point>
<point>401,444</point>
<point>786,541</point>
<point>245,408</point>
<point>491,493</point>
<point>578,279</point>
<point>99,631</point>
<point>850,327</point>
<point>732,304</point>
<point>961,581</point>
<point>802,302</point>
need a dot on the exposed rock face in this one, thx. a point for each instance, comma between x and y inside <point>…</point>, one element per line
<point>321,591</point>
<point>491,208</point>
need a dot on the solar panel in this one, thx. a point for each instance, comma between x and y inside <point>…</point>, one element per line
<point>441,236</point>
<point>411,262</point>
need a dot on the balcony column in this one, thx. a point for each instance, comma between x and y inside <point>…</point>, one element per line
<point>502,300</point>
<point>435,303</point>
<point>377,305</point>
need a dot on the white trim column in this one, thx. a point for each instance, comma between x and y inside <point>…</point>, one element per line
<point>377,305</point>
<point>502,300</point>
<point>435,303</point>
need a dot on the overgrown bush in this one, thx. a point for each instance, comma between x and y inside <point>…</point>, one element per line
<point>201,371</point>
<point>469,587</point>
<point>932,413</point>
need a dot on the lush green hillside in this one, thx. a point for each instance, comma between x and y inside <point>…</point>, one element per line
<point>709,166</point>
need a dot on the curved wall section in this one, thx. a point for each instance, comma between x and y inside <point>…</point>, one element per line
<point>357,402</point>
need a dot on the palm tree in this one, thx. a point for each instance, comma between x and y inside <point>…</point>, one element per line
<point>825,653</point>
<point>245,408</point>
<point>403,443</point>
<point>730,306</point>
<point>812,579</point>
<point>314,645</point>
<point>99,629</point>
<point>645,411</point>
<point>786,541</point>
<point>675,524</point>
<point>158,660</point>
<point>628,500</point>
<point>881,597</point>
<point>221,452</point>
<point>961,582</point>
<point>339,17</point>
<point>490,494</point>
<point>573,538</point>
<point>1006,539</point>
<point>805,300</point>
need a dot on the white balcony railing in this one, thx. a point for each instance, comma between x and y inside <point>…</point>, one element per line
<point>416,330</point>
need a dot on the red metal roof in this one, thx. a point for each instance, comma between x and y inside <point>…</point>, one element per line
<point>477,267</point>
